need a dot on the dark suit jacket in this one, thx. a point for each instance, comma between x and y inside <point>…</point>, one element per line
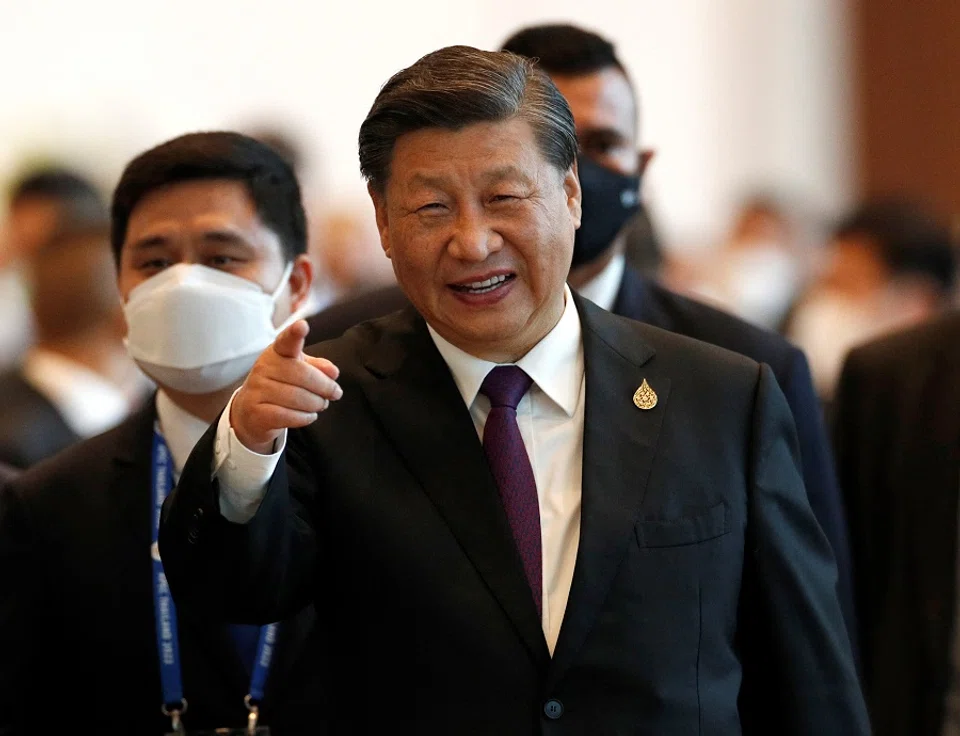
<point>7,474</point>
<point>31,428</point>
<point>643,299</point>
<point>77,635</point>
<point>898,450</point>
<point>701,567</point>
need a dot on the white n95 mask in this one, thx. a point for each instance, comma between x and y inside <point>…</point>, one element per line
<point>199,330</point>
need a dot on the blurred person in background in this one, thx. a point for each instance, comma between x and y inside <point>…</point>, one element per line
<point>77,380</point>
<point>349,253</point>
<point>41,203</point>
<point>898,452</point>
<point>890,263</point>
<point>759,271</point>
<point>209,238</point>
<point>605,106</point>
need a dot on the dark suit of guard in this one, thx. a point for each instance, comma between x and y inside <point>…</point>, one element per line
<point>78,643</point>
<point>898,451</point>
<point>703,599</point>
<point>31,428</point>
<point>7,474</point>
<point>642,299</point>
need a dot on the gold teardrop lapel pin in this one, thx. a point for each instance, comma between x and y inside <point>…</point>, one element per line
<point>646,397</point>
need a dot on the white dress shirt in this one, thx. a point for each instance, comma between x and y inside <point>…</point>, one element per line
<point>603,288</point>
<point>550,417</point>
<point>181,430</point>
<point>88,402</point>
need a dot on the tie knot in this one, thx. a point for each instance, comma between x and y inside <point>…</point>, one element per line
<point>505,385</point>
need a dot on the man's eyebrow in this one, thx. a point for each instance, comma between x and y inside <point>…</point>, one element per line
<point>225,235</point>
<point>150,241</point>
<point>509,171</point>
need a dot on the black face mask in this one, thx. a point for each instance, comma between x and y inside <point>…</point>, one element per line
<point>609,200</point>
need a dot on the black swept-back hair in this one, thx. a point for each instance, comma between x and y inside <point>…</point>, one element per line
<point>458,86</point>
<point>268,179</point>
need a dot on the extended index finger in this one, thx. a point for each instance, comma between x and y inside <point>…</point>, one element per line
<point>289,343</point>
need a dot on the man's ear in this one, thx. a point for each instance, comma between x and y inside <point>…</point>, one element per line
<point>571,186</point>
<point>379,199</point>
<point>301,280</point>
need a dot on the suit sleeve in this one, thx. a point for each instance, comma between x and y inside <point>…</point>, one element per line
<point>799,675</point>
<point>21,605</point>
<point>820,479</point>
<point>256,572</point>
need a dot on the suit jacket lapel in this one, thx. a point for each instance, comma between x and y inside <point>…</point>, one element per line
<point>130,486</point>
<point>423,415</point>
<point>619,445</point>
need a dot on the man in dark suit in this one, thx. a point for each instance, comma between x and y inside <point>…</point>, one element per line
<point>208,229</point>
<point>604,104</point>
<point>628,549</point>
<point>77,380</point>
<point>7,474</point>
<point>898,452</point>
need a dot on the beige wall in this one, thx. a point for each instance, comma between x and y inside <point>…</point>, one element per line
<point>736,93</point>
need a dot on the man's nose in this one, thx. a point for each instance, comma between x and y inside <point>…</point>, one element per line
<point>473,239</point>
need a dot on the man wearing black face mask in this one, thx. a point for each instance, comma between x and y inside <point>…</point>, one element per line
<point>588,73</point>
<point>586,70</point>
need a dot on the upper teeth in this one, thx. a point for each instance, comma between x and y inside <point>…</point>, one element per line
<point>489,282</point>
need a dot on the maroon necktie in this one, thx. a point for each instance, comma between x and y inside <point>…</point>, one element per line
<point>505,386</point>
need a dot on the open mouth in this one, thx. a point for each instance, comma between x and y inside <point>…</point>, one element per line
<point>484,287</point>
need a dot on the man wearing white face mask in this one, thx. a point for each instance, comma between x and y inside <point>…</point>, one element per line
<point>210,239</point>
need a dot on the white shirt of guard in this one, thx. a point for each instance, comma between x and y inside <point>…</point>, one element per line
<point>181,430</point>
<point>603,288</point>
<point>550,418</point>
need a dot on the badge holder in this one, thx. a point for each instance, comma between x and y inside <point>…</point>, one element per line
<point>174,715</point>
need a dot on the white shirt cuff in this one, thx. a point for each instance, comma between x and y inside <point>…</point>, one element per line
<point>243,474</point>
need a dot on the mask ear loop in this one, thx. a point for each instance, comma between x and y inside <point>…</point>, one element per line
<point>300,313</point>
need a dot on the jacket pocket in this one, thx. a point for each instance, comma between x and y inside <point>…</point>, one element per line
<point>692,529</point>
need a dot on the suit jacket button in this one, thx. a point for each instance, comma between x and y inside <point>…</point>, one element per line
<point>193,530</point>
<point>553,709</point>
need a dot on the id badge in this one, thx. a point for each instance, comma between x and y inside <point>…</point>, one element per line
<point>259,731</point>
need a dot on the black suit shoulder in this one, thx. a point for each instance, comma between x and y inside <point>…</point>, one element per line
<point>678,313</point>
<point>336,319</point>
<point>31,428</point>
<point>77,473</point>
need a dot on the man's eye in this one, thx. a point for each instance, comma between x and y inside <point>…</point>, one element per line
<point>155,264</point>
<point>504,198</point>
<point>431,207</point>
<point>221,260</point>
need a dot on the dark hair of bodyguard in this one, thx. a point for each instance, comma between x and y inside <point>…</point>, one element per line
<point>564,49</point>
<point>458,86</point>
<point>269,180</point>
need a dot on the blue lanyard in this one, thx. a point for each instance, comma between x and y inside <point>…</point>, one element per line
<point>168,645</point>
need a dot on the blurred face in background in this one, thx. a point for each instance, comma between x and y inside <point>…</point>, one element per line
<point>74,287</point>
<point>31,224</point>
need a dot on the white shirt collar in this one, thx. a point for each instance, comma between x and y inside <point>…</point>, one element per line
<point>181,430</point>
<point>88,402</point>
<point>603,288</point>
<point>555,363</point>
